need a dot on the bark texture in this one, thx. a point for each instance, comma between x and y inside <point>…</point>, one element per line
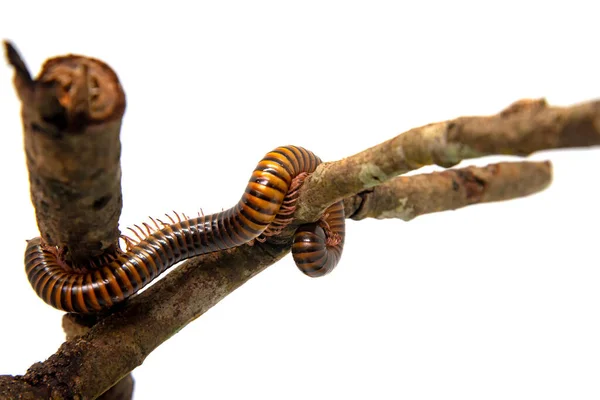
<point>521,129</point>
<point>407,197</point>
<point>71,116</point>
<point>71,122</point>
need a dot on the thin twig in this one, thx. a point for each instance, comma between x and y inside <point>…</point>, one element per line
<point>521,129</point>
<point>407,197</point>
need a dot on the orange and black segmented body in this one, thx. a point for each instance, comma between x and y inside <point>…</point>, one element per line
<point>318,247</point>
<point>93,290</point>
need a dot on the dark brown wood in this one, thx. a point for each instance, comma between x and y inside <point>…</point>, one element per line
<point>86,365</point>
<point>76,325</point>
<point>71,116</point>
<point>71,121</point>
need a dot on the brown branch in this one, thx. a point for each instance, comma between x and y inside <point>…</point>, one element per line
<point>71,117</point>
<point>87,365</point>
<point>71,121</point>
<point>75,326</point>
<point>407,197</point>
<point>523,128</point>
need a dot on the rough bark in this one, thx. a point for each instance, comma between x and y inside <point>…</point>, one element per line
<point>71,116</point>
<point>523,128</point>
<point>71,122</point>
<point>74,326</point>
<point>86,365</point>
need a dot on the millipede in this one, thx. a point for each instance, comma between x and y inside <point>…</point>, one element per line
<point>264,210</point>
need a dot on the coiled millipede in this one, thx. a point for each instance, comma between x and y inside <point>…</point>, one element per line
<point>264,210</point>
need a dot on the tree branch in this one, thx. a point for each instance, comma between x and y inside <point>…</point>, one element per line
<point>71,121</point>
<point>407,197</point>
<point>523,128</point>
<point>71,117</point>
<point>87,366</point>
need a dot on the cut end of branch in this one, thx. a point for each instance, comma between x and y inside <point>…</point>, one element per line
<point>87,89</point>
<point>71,117</point>
<point>70,93</point>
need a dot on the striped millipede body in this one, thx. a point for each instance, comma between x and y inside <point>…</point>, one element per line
<point>263,210</point>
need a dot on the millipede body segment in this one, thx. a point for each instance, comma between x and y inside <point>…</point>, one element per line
<point>262,210</point>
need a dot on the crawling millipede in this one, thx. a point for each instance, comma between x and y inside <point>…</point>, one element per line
<point>264,209</point>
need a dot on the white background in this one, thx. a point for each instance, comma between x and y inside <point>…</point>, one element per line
<point>495,301</point>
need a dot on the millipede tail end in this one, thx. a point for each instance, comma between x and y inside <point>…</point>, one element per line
<point>318,247</point>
